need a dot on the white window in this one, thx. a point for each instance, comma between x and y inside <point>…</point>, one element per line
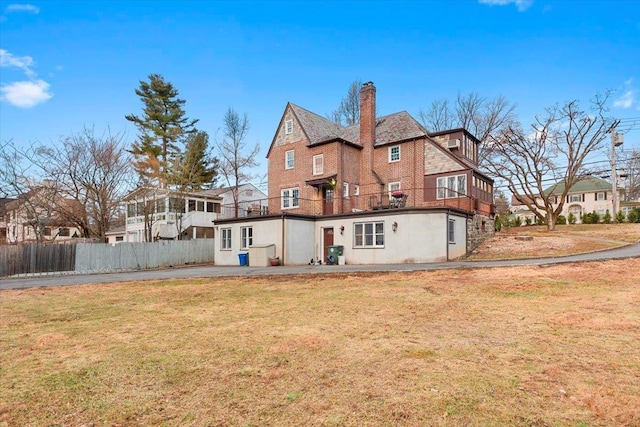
<point>225,239</point>
<point>394,186</point>
<point>470,149</point>
<point>394,153</point>
<point>368,235</point>
<point>575,198</point>
<point>288,127</point>
<point>452,231</point>
<point>318,164</point>
<point>345,189</point>
<point>289,198</point>
<point>356,190</point>
<point>450,187</point>
<point>289,159</point>
<point>601,196</point>
<point>246,237</point>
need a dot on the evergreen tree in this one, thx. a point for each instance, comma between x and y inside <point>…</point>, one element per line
<point>162,126</point>
<point>196,169</point>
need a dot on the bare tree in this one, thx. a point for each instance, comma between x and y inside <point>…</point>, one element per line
<point>438,117</point>
<point>555,149</point>
<point>79,181</point>
<point>502,205</point>
<point>630,173</point>
<point>236,158</point>
<point>19,180</point>
<point>483,117</point>
<point>348,112</point>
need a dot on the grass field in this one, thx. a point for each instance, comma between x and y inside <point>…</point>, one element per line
<point>565,240</point>
<point>526,346</point>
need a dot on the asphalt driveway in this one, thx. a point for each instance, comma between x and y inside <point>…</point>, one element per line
<point>58,279</point>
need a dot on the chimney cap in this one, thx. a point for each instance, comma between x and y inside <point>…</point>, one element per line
<point>367,84</point>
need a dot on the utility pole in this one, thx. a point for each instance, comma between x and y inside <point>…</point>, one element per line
<point>616,140</point>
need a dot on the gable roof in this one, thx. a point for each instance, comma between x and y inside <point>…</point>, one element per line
<point>393,128</point>
<point>397,127</point>
<point>316,127</point>
<point>585,185</point>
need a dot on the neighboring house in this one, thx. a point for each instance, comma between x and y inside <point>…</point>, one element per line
<point>4,219</point>
<point>116,234</point>
<point>170,215</point>
<point>590,194</point>
<point>628,206</point>
<point>251,201</point>
<point>384,189</point>
<point>29,216</point>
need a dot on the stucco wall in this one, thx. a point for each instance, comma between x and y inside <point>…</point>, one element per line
<point>300,243</point>
<point>420,237</point>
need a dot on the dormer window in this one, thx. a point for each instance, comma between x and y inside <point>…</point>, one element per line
<point>288,127</point>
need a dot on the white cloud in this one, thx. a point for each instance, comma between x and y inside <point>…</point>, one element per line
<point>29,8</point>
<point>23,62</point>
<point>26,94</point>
<point>625,101</point>
<point>522,5</point>
<point>628,97</point>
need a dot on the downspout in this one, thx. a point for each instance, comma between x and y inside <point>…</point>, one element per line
<point>283,240</point>
<point>341,176</point>
<point>446,237</point>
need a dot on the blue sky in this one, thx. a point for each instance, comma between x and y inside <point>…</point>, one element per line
<point>67,65</point>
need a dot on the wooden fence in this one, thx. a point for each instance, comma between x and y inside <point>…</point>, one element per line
<point>88,257</point>
<point>36,258</point>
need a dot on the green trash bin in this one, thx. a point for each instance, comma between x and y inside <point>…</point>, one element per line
<point>334,252</point>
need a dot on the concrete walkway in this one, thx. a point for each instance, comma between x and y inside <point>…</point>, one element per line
<point>624,252</point>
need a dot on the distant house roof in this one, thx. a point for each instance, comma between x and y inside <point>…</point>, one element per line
<point>152,192</point>
<point>516,202</point>
<point>222,190</point>
<point>586,185</point>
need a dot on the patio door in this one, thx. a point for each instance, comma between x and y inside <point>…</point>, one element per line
<point>327,198</point>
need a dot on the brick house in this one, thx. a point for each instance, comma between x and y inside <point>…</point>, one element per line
<point>393,191</point>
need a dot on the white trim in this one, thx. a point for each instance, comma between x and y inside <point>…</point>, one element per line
<point>368,238</point>
<point>290,198</point>
<point>392,154</point>
<point>289,163</point>
<point>318,168</point>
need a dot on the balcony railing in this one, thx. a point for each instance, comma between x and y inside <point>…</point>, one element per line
<point>363,202</point>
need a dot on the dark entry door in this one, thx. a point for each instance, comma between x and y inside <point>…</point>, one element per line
<point>327,240</point>
<point>327,197</point>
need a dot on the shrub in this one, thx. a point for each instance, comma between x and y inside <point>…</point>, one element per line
<point>527,220</point>
<point>498,223</point>
<point>620,217</point>
<point>595,217</point>
<point>517,222</point>
<point>607,217</point>
<point>562,220</point>
<point>539,221</point>
<point>633,215</point>
<point>572,218</point>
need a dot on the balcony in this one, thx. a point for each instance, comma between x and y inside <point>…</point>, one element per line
<point>361,203</point>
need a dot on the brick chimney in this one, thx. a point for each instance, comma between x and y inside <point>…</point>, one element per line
<point>367,114</point>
